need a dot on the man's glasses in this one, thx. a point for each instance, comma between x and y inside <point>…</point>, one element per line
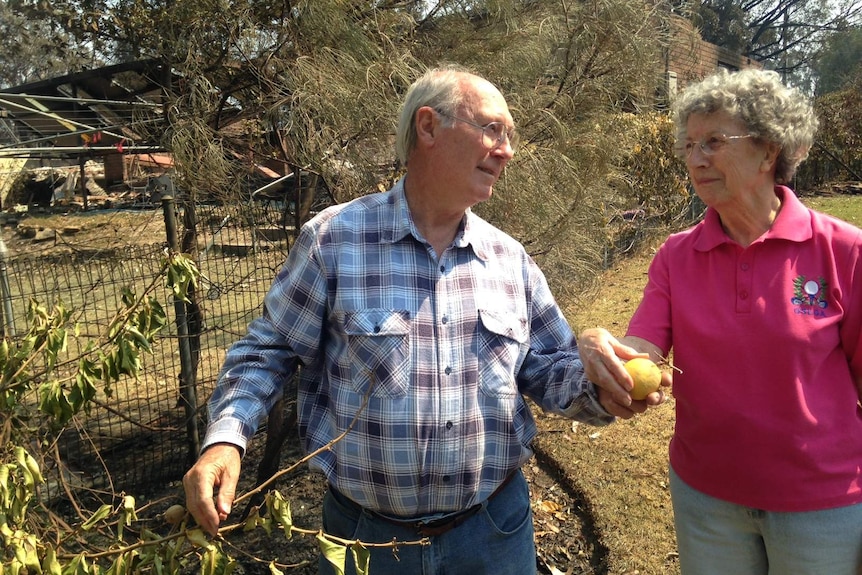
<point>493,133</point>
<point>708,146</point>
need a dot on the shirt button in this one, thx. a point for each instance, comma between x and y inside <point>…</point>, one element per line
<point>744,267</point>
<point>442,268</point>
<point>446,478</point>
<point>448,370</point>
<point>743,295</point>
<point>448,425</point>
<point>445,320</point>
<point>376,329</point>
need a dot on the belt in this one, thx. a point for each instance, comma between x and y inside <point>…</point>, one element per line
<point>439,526</point>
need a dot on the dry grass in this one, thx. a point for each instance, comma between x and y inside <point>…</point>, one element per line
<point>620,470</point>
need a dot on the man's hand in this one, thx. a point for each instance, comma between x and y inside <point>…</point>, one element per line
<point>218,466</point>
<point>603,357</point>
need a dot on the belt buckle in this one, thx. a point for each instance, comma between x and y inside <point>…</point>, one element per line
<point>443,525</point>
<point>433,529</point>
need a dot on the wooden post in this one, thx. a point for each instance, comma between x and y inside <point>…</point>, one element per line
<point>188,395</point>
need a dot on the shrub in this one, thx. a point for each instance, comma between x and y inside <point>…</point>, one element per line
<point>649,188</point>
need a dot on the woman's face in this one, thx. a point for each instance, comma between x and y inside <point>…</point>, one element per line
<point>725,162</point>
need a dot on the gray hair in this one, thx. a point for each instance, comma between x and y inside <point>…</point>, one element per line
<point>771,111</point>
<point>439,88</point>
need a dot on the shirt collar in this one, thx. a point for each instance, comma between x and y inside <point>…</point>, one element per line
<point>403,224</point>
<point>792,223</point>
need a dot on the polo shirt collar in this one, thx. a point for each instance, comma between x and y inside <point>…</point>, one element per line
<point>793,223</point>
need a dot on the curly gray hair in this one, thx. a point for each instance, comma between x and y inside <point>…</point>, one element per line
<point>771,111</point>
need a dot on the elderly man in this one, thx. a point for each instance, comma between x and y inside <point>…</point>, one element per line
<point>421,326</point>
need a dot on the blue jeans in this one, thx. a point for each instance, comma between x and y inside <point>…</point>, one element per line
<point>498,539</point>
<point>716,537</point>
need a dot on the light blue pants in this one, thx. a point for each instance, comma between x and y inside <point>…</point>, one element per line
<point>720,538</point>
<point>497,540</point>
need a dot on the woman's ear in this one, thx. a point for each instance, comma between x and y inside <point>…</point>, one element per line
<point>771,157</point>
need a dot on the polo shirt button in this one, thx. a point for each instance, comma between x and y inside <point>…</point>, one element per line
<point>743,295</point>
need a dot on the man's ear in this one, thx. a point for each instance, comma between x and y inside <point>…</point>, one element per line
<point>427,122</point>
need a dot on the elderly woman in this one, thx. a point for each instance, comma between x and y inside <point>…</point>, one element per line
<point>761,303</point>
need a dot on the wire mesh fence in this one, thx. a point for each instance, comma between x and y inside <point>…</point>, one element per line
<point>137,435</point>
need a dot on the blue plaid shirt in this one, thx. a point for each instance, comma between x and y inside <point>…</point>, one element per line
<point>442,349</point>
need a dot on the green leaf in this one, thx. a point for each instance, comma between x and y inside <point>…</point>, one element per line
<point>361,558</point>
<point>335,553</point>
<point>103,512</point>
<point>279,509</point>
<point>197,538</point>
<point>138,338</point>
<point>56,344</point>
<point>84,389</point>
<point>120,566</point>
<point>77,566</point>
<point>208,561</point>
<point>31,557</point>
<point>53,402</point>
<point>254,520</point>
<point>128,514</point>
<point>50,565</point>
<point>128,297</point>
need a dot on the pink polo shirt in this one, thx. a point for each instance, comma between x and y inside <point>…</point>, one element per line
<point>766,338</point>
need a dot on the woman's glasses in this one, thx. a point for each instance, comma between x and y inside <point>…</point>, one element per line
<point>708,146</point>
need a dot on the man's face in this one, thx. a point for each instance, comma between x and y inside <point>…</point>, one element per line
<point>470,159</point>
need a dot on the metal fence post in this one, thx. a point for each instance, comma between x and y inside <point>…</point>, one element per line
<point>8,319</point>
<point>188,395</point>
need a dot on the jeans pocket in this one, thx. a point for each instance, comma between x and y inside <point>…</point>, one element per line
<point>509,511</point>
<point>340,518</point>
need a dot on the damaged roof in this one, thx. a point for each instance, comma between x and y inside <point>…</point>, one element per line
<point>89,113</point>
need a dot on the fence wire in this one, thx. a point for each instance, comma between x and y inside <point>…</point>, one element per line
<point>136,438</point>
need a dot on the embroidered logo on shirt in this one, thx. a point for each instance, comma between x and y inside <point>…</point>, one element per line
<point>809,295</point>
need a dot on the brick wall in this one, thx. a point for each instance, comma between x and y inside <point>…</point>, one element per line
<point>689,58</point>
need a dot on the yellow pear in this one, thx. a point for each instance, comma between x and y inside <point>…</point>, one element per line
<point>646,376</point>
